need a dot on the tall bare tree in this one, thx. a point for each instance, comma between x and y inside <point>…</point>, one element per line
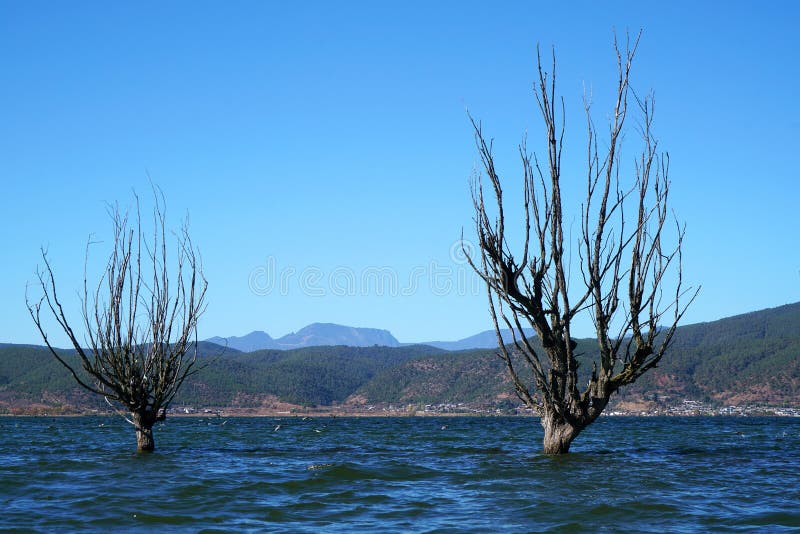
<point>139,321</point>
<point>631,278</point>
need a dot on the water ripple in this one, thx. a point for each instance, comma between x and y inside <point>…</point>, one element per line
<point>401,474</point>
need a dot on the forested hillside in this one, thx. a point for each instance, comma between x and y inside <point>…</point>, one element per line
<point>747,358</point>
<point>309,376</point>
<point>31,378</point>
<point>754,357</point>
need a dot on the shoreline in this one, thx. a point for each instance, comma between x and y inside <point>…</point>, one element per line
<point>318,414</point>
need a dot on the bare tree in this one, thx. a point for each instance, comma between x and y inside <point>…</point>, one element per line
<point>140,321</point>
<point>624,261</point>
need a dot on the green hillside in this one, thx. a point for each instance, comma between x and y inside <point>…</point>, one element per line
<point>750,358</point>
<point>31,377</point>
<point>309,376</point>
<point>475,377</point>
<point>754,357</point>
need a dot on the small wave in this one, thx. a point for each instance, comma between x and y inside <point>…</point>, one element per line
<point>316,467</point>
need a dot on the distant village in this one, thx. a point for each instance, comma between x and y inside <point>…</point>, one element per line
<point>686,408</point>
<point>693,408</point>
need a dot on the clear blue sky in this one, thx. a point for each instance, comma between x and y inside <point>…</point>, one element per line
<point>328,143</point>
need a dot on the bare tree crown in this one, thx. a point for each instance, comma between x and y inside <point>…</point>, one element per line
<point>138,323</point>
<point>625,262</point>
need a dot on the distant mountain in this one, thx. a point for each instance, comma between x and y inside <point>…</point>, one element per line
<point>329,334</point>
<point>485,340</point>
<point>321,334</point>
<point>313,335</point>
<point>256,340</point>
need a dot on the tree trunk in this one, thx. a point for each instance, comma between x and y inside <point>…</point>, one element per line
<point>558,435</point>
<point>144,431</point>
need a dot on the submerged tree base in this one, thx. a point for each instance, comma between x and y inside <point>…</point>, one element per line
<point>558,436</point>
<point>143,422</point>
<point>144,440</point>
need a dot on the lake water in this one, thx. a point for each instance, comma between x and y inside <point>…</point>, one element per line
<point>400,474</point>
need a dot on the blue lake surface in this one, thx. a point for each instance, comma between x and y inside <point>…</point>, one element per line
<point>423,474</point>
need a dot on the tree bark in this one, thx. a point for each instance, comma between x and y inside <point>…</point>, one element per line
<point>144,431</point>
<point>558,434</point>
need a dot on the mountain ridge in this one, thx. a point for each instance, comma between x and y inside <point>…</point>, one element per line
<point>331,334</point>
<point>312,335</point>
<point>482,340</point>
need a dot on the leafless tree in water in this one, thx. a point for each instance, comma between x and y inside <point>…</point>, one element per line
<point>631,277</point>
<point>139,322</point>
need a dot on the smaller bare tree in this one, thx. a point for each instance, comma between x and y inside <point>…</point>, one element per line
<point>624,259</point>
<point>140,320</point>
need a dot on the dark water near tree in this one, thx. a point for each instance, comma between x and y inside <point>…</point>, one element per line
<point>400,474</point>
